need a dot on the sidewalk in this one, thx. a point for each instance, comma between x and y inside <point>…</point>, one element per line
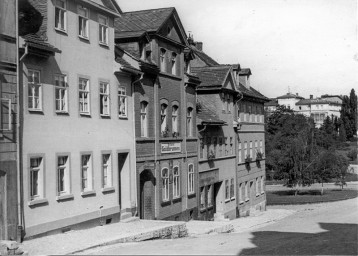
<point>73,242</point>
<point>139,230</point>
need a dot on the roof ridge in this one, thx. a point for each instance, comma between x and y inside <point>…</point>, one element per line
<point>146,10</point>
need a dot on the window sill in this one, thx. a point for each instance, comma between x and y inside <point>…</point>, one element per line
<point>262,192</point>
<point>104,45</point>
<point>108,189</point>
<point>227,200</point>
<point>37,201</point>
<point>123,117</point>
<point>232,198</point>
<point>247,199</point>
<point>170,138</point>
<point>145,139</point>
<point>105,116</point>
<point>202,210</point>
<point>62,31</point>
<point>177,199</point>
<point>88,193</point>
<point>210,207</point>
<point>83,38</point>
<point>241,202</point>
<point>85,114</point>
<point>64,197</point>
<point>62,113</point>
<point>32,110</point>
<point>165,203</point>
<point>258,194</point>
<point>192,195</point>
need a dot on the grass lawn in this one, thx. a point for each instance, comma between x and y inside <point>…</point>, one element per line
<point>308,196</point>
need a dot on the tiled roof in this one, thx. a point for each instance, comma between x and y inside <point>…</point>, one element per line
<point>271,103</point>
<point>148,20</point>
<point>315,101</point>
<point>205,114</point>
<point>123,62</point>
<point>252,92</point>
<point>129,34</point>
<point>204,57</point>
<point>290,96</point>
<point>212,76</point>
<point>35,41</point>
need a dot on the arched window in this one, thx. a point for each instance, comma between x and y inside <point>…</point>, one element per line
<point>189,122</point>
<point>144,119</point>
<point>165,186</point>
<point>174,66</point>
<point>176,182</point>
<point>175,121</point>
<point>163,119</point>
<point>191,179</point>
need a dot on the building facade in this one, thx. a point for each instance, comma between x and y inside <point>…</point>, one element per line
<point>164,106</point>
<point>78,154</point>
<point>8,121</point>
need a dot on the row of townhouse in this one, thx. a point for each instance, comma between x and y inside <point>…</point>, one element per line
<point>120,115</point>
<point>318,108</point>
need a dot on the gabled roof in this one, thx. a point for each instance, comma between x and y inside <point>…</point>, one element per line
<point>272,102</point>
<point>205,115</point>
<point>204,57</point>
<point>290,96</point>
<point>109,6</point>
<point>252,92</point>
<point>212,76</point>
<point>245,71</point>
<point>123,36</point>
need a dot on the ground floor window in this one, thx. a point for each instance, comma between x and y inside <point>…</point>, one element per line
<point>63,175</point>
<point>165,185</point>
<point>176,182</point>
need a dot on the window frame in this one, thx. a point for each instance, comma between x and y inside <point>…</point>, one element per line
<point>67,176</point>
<point>62,10</point>
<point>144,122</point>
<point>122,94</point>
<point>163,118</point>
<point>191,179</point>
<point>165,185</point>
<point>227,190</point>
<point>104,26</point>
<point>40,177</point>
<point>162,59</point>
<point>189,122</point>
<point>109,165</point>
<point>65,89</point>
<point>104,94</point>
<point>232,188</point>
<point>33,86</point>
<point>84,19</point>
<point>89,172</point>
<point>210,195</point>
<point>173,63</point>
<point>176,182</point>
<point>87,92</point>
<point>175,118</point>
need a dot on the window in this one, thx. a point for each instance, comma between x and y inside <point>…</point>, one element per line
<point>191,179</point>
<point>228,103</point>
<point>232,188</point>
<point>210,195</point>
<point>63,175</point>
<point>189,122</point>
<point>257,186</point>
<point>246,191</point>
<point>176,182</point>
<point>227,190</point>
<point>162,60</point>
<point>86,172</point>
<point>251,155</point>
<point>60,15</point>
<point>202,198</point>
<point>143,119</point>
<point>240,153</point>
<point>245,150</point>
<point>83,22</point>
<point>163,116</point>
<point>250,114</point>
<point>5,114</point>
<point>174,66</point>
<point>122,102</point>
<point>261,147</point>
<point>226,147</point>
<point>175,120</point>
<point>104,98</point>
<point>231,146</point>
<point>223,99</point>
<point>61,93</point>
<point>240,193</point>
<point>107,170</point>
<point>84,96</point>
<point>103,30</point>
<point>165,187</point>
<point>36,178</point>
<point>34,90</point>
<point>262,185</point>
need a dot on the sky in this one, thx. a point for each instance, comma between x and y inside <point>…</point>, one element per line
<point>309,47</point>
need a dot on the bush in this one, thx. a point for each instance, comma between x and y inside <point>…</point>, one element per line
<point>352,155</point>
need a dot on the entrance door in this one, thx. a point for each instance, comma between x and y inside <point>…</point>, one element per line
<point>3,229</point>
<point>147,200</point>
<point>122,164</point>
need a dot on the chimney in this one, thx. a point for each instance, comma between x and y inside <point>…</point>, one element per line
<point>199,46</point>
<point>311,97</point>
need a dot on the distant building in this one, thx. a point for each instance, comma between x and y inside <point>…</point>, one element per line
<point>78,155</point>
<point>289,100</point>
<point>271,106</point>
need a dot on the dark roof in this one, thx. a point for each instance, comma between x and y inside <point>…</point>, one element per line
<point>33,40</point>
<point>290,96</point>
<point>123,62</point>
<point>316,101</point>
<point>204,57</point>
<point>252,92</point>
<point>129,34</point>
<point>212,76</point>
<point>205,114</point>
<point>271,103</point>
<point>148,20</point>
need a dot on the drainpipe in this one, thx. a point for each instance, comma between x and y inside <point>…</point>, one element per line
<point>185,133</point>
<point>134,142</point>
<point>155,144</point>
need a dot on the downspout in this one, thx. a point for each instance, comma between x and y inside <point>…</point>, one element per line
<point>155,144</point>
<point>185,133</point>
<point>134,142</point>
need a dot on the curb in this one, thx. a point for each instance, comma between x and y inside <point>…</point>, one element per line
<point>171,232</point>
<point>222,229</point>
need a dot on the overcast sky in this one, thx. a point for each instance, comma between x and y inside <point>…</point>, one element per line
<point>305,46</point>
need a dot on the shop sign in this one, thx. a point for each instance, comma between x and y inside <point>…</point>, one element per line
<point>170,147</point>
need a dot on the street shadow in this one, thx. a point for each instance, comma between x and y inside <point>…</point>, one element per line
<point>339,239</point>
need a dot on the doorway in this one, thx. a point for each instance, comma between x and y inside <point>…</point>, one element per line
<point>122,165</point>
<point>147,200</point>
<point>3,217</point>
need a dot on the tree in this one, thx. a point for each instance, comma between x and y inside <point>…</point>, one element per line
<point>340,170</point>
<point>352,154</point>
<point>325,167</point>
<point>349,114</point>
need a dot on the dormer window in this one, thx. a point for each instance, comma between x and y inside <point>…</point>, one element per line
<point>174,66</point>
<point>162,59</point>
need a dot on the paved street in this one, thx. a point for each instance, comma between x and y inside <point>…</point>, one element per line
<point>319,229</point>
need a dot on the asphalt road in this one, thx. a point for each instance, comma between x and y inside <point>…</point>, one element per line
<point>319,229</point>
